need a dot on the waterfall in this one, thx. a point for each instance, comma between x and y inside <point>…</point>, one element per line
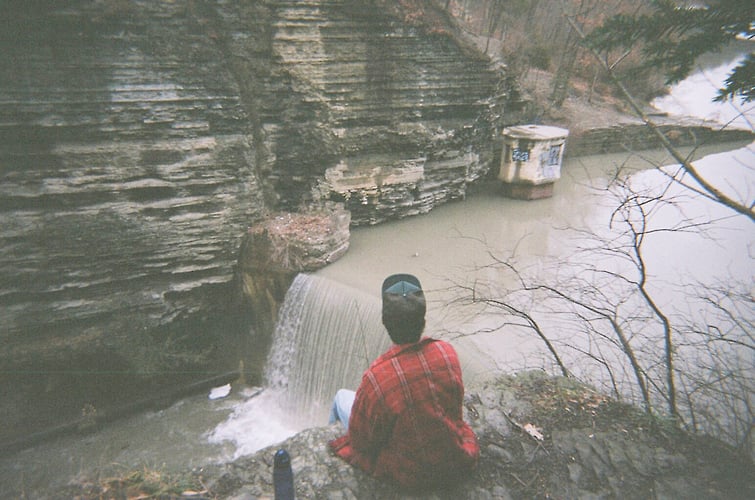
<point>327,335</point>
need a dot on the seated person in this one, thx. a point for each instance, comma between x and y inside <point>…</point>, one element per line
<point>405,420</point>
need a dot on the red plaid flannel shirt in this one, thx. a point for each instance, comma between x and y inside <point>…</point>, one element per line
<point>406,422</point>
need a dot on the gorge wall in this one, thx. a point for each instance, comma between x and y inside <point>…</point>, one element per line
<point>140,138</point>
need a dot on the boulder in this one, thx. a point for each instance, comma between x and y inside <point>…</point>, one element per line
<point>277,248</point>
<point>296,242</point>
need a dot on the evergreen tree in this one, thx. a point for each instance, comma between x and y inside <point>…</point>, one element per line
<point>672,37</point>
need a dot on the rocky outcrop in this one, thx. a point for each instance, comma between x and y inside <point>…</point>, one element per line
<point>276,249</point>
<point>540,437</point>
<point>296,242</point>
<point>389,118</point>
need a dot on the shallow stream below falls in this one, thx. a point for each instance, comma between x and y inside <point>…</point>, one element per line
<point>452,243</point>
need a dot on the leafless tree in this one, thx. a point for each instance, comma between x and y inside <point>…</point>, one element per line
<point>602,307</point>
<point>716,374</point>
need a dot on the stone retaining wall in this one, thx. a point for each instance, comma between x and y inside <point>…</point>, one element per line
<point>639,137</point>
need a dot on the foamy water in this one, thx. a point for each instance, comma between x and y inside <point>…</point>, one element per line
<point>256,423</point>
<point>326,336</point>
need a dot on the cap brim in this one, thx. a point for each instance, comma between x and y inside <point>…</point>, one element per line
<point>401,284</point>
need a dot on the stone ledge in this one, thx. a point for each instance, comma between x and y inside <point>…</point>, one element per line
<point>638,137</point>
<point>591,447</point>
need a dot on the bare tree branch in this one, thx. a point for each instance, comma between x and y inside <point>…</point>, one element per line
<point>687,165</point>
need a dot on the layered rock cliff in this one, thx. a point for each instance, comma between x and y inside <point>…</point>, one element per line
<point>362,108</point>
<point>139,139</point>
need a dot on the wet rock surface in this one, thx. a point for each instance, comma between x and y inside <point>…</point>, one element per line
<point>591,447</point>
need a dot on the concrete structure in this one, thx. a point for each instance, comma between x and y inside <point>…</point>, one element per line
<point>531,160</point>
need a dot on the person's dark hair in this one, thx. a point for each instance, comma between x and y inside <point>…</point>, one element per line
<point>403,308</point>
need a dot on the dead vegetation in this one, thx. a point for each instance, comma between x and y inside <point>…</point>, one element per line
<point>142,484</point>
<point>539,456</point>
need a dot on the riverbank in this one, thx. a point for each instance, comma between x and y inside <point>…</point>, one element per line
<point>540,437</point>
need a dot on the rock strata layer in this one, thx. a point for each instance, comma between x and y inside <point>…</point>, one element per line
<point>394,123</point>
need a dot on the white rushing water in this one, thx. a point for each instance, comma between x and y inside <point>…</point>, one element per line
<point>326,336</point>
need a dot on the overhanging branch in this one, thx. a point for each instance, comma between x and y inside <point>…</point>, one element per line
<point>686,164</point>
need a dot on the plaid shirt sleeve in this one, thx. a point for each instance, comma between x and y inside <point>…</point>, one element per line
<point>370,424</point>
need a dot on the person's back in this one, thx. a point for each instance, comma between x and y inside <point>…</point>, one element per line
<point>406,421</point>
